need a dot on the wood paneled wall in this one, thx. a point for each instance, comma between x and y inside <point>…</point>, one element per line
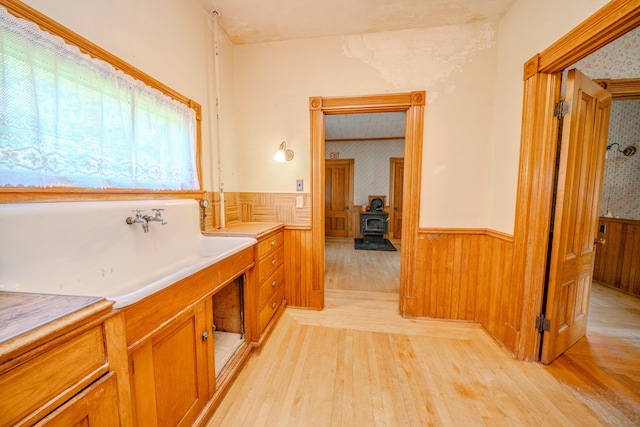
<point>462,274</point>
<point>465,274</point>
<point>297,265</point>
<point>617,262</point>
<point>258,207</point>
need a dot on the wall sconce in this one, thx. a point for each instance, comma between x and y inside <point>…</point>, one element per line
<point>283,154</point>
<point>629,151</point>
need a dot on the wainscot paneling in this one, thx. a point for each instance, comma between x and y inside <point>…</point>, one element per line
<point>258,207</point>
<point>465,274</point>
<point>297,265</point>
<point>617,262</point>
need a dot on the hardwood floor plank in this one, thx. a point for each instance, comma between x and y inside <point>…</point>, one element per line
<point>358,363</point>
<point>359,270</point>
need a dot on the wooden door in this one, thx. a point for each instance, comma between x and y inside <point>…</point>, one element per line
<point>338,197</point>
<point>170,371</point>
<point>575,218</point>
<point>395,191</point>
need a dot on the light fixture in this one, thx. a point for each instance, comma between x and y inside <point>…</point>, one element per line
<point>629,151</point>
<point>283,154</point>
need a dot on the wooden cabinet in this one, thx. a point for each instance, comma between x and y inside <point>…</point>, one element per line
<point>270,274</point>
<point>171,350</point>
<point>97,405</point>
<point>65,371</point>
<point>266,297</point>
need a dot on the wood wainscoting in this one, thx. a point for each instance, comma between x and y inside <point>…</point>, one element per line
<point>258,207</point>
<point>617,262</point>
<point>465,274</point>
<point>297,265</point>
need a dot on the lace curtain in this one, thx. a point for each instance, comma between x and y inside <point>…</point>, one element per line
<point>70,120</point>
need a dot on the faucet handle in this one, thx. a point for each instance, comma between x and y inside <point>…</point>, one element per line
<point>137,211</point>
<point>158,210</point>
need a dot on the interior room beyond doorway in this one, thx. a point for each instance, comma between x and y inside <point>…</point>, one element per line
<point>361,154</point>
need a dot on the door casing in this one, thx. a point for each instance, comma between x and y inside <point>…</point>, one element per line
<point>542,89</point>
<point>413,104</point>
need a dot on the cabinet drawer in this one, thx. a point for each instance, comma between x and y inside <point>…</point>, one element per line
<point>44,382</point>
<point>269,244</point>
<point>269,264</point>
<point>268,310</point>
<point>97,405</point>
<point>270,285</point>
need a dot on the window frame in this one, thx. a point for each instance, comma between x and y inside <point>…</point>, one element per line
<point>35,194</point>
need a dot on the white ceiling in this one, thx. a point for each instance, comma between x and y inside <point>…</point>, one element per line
<point>257,21</point>
<point>348,127</point>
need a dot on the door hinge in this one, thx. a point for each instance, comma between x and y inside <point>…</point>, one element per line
<point>561,109</point>
<point>542,324</point>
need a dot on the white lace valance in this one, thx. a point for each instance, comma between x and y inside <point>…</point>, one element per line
<point>70,120</point>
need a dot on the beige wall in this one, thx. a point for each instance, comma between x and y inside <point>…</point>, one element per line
<point>527,29</point>
<point>455,65</point>
<point>472,75</point>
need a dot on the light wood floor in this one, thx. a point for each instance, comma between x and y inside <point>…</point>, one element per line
<point>358,363</point>
<point>358,270</point>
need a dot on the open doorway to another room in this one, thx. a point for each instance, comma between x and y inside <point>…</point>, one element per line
<point>364,158</point>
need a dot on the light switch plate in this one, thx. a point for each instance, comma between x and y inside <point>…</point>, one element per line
<point>299,185</point>
<point>299,202</point>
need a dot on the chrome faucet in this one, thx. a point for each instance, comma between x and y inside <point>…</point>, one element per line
<point>157,217</point>
<point>139,219</point>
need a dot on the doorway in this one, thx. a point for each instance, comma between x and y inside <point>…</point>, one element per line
<point>537,163</point>
<point>413,104</point>
<point>358,151</point>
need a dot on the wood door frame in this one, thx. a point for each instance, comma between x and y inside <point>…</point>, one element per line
<point>351,165</point>
<point>542,89</point>
<point>392,182</point>
<point>413,104</point>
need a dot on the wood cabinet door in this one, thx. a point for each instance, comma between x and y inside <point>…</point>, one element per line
<point>575,218</point>
<point>169,371</point>
<point>95,406</point>
<point>338,197</point>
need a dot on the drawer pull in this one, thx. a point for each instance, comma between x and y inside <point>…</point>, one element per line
<point>273,243</point>
<point>273,284</point>
<point>205,335</point>
<point>273,306</point>
<point>273,262</point>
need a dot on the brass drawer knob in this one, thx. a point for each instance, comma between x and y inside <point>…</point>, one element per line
<point>273,243</point>
<point>273,306</point>
<point>273,262</point>
<point>273,284</point>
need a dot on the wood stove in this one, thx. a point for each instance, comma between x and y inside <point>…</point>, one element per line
<point>374,223</point>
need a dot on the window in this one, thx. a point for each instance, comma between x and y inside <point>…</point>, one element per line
<point>70,120</point>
